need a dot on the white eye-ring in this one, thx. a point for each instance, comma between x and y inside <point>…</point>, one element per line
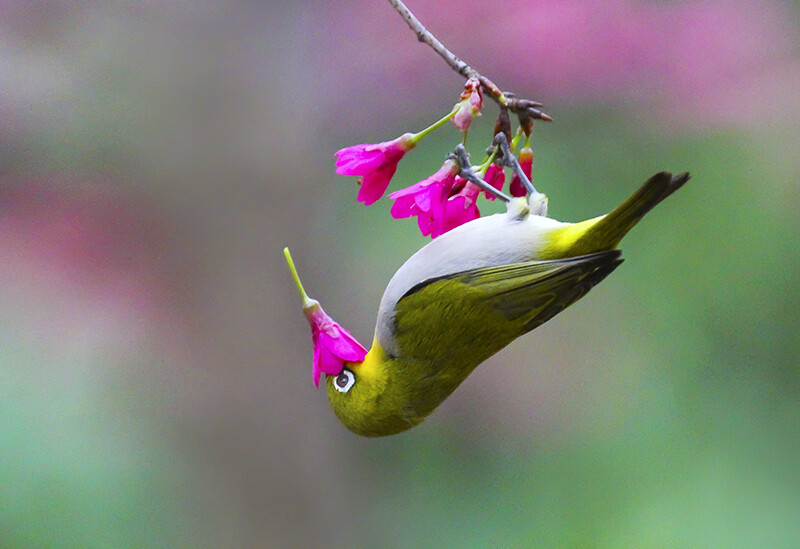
<point>344,381</point>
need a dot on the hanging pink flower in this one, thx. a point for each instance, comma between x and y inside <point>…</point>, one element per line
<point>427,199</point>
<point>470,106</point>
<point>461,207</point>
<point>375,163</point>
<point>496,177</point>
<point>517,187</point>
<point>333,345</point>
<point>457,208</point>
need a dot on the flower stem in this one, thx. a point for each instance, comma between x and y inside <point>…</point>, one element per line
<point>525,108</point>
<point>307,301</point>
<point>516,139</point>
<point>417,136</point>
<point>481,171</point>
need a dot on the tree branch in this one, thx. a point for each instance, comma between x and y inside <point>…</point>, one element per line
<point>525,109</point>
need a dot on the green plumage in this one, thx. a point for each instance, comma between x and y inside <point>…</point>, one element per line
<point>456,317</point>
<point>468,294</point>
<point>447,326</point>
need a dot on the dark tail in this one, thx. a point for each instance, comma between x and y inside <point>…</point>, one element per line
<point>608,231</point>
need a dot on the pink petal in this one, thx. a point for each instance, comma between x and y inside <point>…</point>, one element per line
<point>470,191</point>
<point>358,160</point>
<point>460,210</point>
<point>463,118</point>
<point>375,163</point>
<point>363,159</point>
<point>517,187</point>
<point>402,207</point>
<point>426,224</point>
<point>425,197</point>
<point>374,184</point>
<point>470,106</point>
<point>333,345</point>
<point>476,101</point>
<point>496,177</point>
<point>344,346</point>
<point>329,363</point>
<point>316,372</point>
<point>458,185</point>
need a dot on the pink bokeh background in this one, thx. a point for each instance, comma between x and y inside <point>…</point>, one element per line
<point>157,157</point>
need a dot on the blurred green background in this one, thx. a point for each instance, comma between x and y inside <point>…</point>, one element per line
<point>155,368</point>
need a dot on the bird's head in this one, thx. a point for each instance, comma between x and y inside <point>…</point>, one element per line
<point>360,387</point>
<point>371,397</point>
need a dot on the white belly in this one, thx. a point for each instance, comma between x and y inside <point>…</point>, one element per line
<point>489,241</point>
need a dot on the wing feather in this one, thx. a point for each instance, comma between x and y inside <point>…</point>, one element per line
<point>472,314</point>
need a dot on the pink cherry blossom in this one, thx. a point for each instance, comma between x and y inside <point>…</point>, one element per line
<point>470,106</point>
<point>496,177</point>
<point>441,203</point>
<point>375,163</point>
<point>427,199</point>
<point>517,187</point>
<point>461,207</point>
<point>333,345</point>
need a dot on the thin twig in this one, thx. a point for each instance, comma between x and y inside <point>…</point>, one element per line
<point>524,108</point>
<point>425,36</point>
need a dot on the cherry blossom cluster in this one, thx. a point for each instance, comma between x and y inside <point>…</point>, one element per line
<point>440,202</point>
<point>449,197</point>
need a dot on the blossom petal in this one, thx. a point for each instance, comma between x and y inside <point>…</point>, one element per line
<point>460,210</point>
<point>463,117</point>
<point>496,177</point>
<point>329,363</point>
<point>344,345</point>
<point>470,105</point>
<point>517,187</point>
<point>426,224</point>
<point>358,160</point>
<point>374,184</point>
<point>426,198</point>
<point>333,345</point>
<point>376,163</point>
<point>316,371</point>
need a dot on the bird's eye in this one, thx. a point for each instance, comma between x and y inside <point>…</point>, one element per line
<point>344,381</point>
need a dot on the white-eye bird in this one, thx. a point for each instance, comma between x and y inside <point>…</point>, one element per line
<point>469,293</point>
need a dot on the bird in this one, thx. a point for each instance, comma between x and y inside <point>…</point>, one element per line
<point>469,293</point>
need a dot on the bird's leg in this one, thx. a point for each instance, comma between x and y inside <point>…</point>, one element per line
<point>466,172</point>
<point>538,201</point>
<point>511,161</point>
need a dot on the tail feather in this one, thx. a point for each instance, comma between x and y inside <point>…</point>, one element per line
<point>606,232</point>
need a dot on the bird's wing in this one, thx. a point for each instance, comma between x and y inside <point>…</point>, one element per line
<point>472,314</point>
